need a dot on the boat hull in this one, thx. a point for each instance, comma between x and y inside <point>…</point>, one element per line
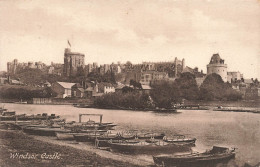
<point>147,148</point>
<point>196,160</point>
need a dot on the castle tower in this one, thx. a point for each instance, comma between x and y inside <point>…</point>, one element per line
<point>9,67</point>
<point>183,64</point>
<point>217,65</point>
<point>175,67</point>
<point>72,62</point>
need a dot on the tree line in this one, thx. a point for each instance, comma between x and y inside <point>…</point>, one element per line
<point>165,94</point>
<point>26,93</point>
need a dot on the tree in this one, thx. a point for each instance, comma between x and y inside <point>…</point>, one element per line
<point>187,86</point>
<point>127,89</point>
<point>135,84</point>
<point>164,94</point>
<point>214,88</point>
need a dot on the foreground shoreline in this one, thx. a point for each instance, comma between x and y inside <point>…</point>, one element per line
<point>48,151</point>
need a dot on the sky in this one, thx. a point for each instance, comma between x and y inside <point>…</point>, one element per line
<point>109,31</point>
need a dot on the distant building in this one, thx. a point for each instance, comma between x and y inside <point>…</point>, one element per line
<point>248,82</point>
<point>3,80</point>
<point>105,87</point>
<point>234,76</point>
<point>12,67</point>
<point>89,68</point>
<point>217,65</point>
<point>63,89</point>
<point>106,68</point>
<point>109,89</point>
<point>51,70</point>
<point>147,77</point>
<point>178,64</point>
<point>72,62</point>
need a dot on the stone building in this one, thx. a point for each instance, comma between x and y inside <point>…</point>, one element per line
<point>179,66</point>
<point>234,76</point>
<point>148,77</point>
<point>12,67</point>
<point>73,62</point>
<point>218,66</point>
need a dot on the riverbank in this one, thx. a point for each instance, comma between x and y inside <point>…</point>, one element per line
<point>241,103</point>
<point>46,151</point>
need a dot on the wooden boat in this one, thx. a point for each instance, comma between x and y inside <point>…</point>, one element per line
<point>211,157</point>
<point>11,116</point>
<point>180,139</point>
<point>44,131</point>
<point>90,124</point>
<point>91,137</point>
<point>65,136</point>
<point>82,105</point>
<point>143,147</point>
<point>2,109</point>
<point>70,135</point>
<point>168,110</point>
<point>3,126</point>
<point>150,135</point>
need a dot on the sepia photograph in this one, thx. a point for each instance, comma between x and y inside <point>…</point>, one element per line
<point>122,83</point>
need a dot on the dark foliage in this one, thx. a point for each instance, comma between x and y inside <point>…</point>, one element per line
<point>214,88</point>
<point>26,94</point>
<point>133,100</point>
<point>107,77</point>
<point>127,89</point>
<point>187,86</point>
<point>165,94</point>
<point>136,85</point>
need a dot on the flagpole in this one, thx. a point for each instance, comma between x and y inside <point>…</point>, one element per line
<point>69,43</point>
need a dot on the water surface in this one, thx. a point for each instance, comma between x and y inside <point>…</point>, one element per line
<point>230,129</point>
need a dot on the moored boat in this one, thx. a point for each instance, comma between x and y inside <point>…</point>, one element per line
<point>44,131</point>
<point>70,135</point>
<point>179,139</point>
<point>211,157</point>
<point>150,135</point>
<point>168,110</point>
<point>91,137</point>
<point>12,116</point>
<point>138,146</point>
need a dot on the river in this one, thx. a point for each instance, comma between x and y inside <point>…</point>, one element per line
<point>230,129</point>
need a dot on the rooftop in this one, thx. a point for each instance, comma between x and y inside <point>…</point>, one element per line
<point>215,59</point>
<point>66,85</point>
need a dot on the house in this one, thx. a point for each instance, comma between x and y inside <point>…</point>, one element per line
<point>63,89</point>
<point>89,92</point>
<point>3,80</point>
<point>248,82</point>
<point>105,87</point>
<point>77,91</point>
<point>145,88</point>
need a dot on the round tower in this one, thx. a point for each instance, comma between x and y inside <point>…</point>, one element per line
<point>217,65</point>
